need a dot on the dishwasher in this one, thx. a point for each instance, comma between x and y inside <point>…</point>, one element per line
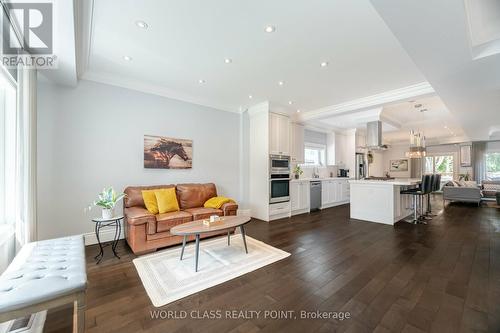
<point>315,195</point>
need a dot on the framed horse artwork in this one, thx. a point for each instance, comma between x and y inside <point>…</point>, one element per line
<point>167,153</point>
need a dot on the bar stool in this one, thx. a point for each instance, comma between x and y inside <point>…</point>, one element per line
<point>418,194</point>
<point>436,184</point>
<point>427,215</point>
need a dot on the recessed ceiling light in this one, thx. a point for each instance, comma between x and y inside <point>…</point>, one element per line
<point>298,111</point>
<point>201,81</point>
<point>141,24</point>
<point>270,28</point>
<point>250,96</point>
<point>281,83</point>
<point>324,64</point>
<point>290,102</point>
<point>127,58</point>
<point>228,60</point>
<point>445,126</point>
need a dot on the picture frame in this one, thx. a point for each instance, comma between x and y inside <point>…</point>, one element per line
<point>466,155</point>
<point>167,153</point>
<point>399,165</point>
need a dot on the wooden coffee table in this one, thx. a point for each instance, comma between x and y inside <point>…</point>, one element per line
<point>197,228</point>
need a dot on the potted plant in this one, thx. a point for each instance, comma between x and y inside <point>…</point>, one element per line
<point>107,200</point>
<point>297,171</point>
<point>465,177</point>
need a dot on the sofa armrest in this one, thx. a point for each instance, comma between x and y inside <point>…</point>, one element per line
<point>229,208</point>
<point>138,215</point>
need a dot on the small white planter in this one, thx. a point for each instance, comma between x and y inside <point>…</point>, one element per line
<point>108,213</point>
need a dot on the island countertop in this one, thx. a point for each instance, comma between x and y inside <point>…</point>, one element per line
<point>391,182</point>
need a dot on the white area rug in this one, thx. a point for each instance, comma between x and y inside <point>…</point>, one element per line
<point>167,279</point>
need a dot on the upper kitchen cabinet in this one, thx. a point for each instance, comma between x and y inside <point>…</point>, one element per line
<point>297,143</point>
<point>279,134</point>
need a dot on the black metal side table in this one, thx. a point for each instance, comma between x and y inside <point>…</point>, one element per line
<point>102,223</point>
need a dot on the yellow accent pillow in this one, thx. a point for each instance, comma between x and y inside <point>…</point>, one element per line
<point>150,201</point>
<point>167,200</point>
<point>216,202</point>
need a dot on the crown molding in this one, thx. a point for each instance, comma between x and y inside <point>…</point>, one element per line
<point>84,27</point>
<point>390,96</point>
<point>152,89</point>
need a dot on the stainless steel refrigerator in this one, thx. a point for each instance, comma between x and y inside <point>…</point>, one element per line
<point>361,166</point>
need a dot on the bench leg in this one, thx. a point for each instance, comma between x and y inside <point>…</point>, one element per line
<point>79,315</point>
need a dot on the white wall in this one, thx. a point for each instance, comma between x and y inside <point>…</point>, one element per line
<point>396,152</point>
<point>92,136</point>
<point>377,167</point>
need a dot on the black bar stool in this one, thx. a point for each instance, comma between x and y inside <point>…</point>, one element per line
<point>436,184</point>
<point>430,188</point>
<point>418,195</point>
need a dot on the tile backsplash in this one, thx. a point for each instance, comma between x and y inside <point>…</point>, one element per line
<point>324,172</point>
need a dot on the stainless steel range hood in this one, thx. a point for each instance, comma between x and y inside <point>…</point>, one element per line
<point>374,136</point>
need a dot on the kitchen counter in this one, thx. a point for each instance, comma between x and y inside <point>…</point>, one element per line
<point>391,182</point>
<point>381,201</point>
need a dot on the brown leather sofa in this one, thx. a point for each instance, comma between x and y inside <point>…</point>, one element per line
<point>146,232</point>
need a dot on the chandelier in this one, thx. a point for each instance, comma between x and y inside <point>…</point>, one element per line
<point>417,145</point>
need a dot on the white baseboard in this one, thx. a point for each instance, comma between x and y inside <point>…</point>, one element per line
<point>243,212</point>
<point>106,234</point>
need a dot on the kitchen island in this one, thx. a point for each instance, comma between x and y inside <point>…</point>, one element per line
<point>381,201</point>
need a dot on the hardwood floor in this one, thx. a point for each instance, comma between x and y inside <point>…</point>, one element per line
<point>440,277</point>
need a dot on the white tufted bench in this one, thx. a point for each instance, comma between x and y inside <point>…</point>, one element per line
<point>44,275</point>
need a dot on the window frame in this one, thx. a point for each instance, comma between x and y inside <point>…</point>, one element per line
<point>486,164</point>
<point>433,157</point>
<point>318,147</point>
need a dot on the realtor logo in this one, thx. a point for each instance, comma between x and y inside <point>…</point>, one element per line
<point>27,32</point>
<point>34,21</point>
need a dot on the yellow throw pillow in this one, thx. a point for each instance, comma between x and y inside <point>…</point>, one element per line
<point>167,200</point>
<point>216,202</point>
<point>150,201</point>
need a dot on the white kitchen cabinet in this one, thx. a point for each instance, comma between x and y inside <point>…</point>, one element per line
<point>299,197</point>
<point>297,143</point>
<point>344,190</point>
<point>334,192</point>
<point>279,134</point>
<point>325,196</point>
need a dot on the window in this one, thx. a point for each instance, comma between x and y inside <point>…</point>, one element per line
<point>493,166</point>
<point>7,150</point>
<point>314,155</point>
<point>441,164</point>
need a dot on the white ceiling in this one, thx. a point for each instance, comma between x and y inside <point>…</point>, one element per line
<point>437,123</point>
<point>438,39</point>
<point>188,40</point>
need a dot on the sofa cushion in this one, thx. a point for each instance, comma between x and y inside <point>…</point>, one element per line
<point>134,194</point>
<point>168,220</point>
<point>43,271</point>
<point>203,213</point>
<point>490,188</point>
<point>194,195</point>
